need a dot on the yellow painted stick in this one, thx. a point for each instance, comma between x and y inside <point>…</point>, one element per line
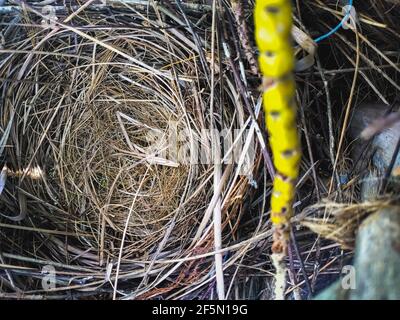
<point>273,25</point>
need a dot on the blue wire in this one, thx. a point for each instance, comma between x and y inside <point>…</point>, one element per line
<point>340,25</point>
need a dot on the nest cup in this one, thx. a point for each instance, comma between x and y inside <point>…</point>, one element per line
<point>100,113</point>
<point>97,126</point>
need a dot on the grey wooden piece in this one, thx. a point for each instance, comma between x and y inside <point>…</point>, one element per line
<point>376,261</point>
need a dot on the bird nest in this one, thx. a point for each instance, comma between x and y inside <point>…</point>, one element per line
<point>101,120</point>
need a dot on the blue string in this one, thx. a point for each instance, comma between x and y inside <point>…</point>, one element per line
<point>340,25</point>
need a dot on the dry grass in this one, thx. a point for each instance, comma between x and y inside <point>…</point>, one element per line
<point>343,220</point>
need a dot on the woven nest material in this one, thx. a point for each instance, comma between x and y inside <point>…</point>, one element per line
<point>96,183</point>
